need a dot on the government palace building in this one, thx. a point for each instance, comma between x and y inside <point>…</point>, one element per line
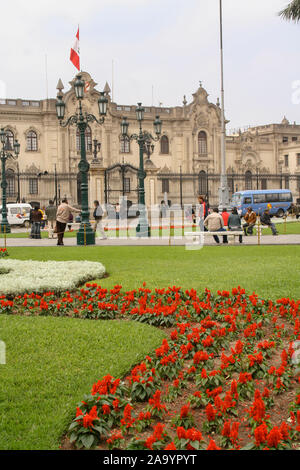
<point>185,162</point>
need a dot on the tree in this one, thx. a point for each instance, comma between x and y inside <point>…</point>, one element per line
<point>291,12</point>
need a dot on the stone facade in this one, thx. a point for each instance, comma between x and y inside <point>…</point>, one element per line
<point>185,163</point>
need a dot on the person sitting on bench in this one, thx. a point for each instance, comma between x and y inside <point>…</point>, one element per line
<point>234,223</point>
<point>214,223</point>
<point>266,220</point>
<point>250,219</point>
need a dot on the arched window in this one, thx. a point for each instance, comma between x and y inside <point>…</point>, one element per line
<point>202,183</point>
<point>124,144</point>
<point>32,141</point>
<point>10,180</point>
<point>248,180</point>
<point>164,145</point>
<point>10,140</point>
<point>88,139</point>
<point>202,143</point>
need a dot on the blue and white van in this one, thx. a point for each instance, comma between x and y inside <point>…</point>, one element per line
<point>278,201</point>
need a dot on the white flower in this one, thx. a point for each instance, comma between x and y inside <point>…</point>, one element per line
<point>40,276</point>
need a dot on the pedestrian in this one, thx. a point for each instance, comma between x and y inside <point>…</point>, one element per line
<point>266,220</point>
<point>214,223</point>
<point>250,219</point>
<point>194,218</point>
<point>98,214</point>
<point>117,210</point>
<point>51,218</point>
<point>44,218</point>
<point>225,217</point>
<point>234,223</point>
<point>62,218</point>
<point>203,212</point>
<point>70,222</point>
<point>36,218</point>
<point>163,209</point>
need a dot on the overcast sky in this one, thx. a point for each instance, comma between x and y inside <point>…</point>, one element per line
<point>160,49</point>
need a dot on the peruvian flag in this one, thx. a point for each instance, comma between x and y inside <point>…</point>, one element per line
<point>75,52</point>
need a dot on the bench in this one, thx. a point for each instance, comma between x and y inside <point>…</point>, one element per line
<point>232,236</point>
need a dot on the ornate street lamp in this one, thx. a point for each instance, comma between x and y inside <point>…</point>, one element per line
<point>5,154</point>
<point>144,140</point>
<point>85,235</point>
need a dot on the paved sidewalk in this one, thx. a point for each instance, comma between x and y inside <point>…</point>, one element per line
<point>176,241</point>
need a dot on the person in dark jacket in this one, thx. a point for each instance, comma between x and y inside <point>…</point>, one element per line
<point>36,217</point>
<point>234,223</point>
<point>266,220</point>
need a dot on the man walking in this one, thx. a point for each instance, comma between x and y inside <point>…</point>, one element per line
<point>62,218</point>
<point>51,218</point>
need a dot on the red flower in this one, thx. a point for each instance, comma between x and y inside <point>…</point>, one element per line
<point>274,437</point>
<point>106,409</point>
<point>170,446</point>
<point>212,445</point>
<point>260,434</point>
<point>210,412</point>
<point>89,418</point>
<point>184,411</point>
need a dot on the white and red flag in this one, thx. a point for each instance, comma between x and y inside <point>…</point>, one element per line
<point>75,52</point>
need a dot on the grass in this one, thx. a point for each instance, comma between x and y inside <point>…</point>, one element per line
<point>271,271</point>
<point>51,364</point>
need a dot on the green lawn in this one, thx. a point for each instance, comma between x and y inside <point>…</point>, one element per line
<point>272,271</point>
<point>51,364</point>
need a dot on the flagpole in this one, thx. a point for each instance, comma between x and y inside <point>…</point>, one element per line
<point>112,80</point>
<point>223,191</point>
<point>46,71</point>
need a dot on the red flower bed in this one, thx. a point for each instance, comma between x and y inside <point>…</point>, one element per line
<point>225,378</point>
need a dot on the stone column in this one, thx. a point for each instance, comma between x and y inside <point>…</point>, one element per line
<point>97,186</point>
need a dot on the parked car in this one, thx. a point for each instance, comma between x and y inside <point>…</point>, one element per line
<point>17,214</point>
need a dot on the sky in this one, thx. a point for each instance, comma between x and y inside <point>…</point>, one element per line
<point>157,51</point>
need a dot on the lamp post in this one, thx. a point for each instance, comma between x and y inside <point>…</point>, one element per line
<point>6,155</point>
<point>143,139</point>
<point>55,185</point>
<point>18,176</point>
<point>85,235</point>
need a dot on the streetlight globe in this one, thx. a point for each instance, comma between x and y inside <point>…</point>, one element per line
<point>102,103</point>
<point>60,108</point>
<point>2,136</point>
<point>17,147</point>
<point>157,126</point>
<point>79,87</point>
<point>124,127</point>
<point>140,112</point>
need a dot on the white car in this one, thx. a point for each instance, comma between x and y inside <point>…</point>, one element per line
<point>17,214</point>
